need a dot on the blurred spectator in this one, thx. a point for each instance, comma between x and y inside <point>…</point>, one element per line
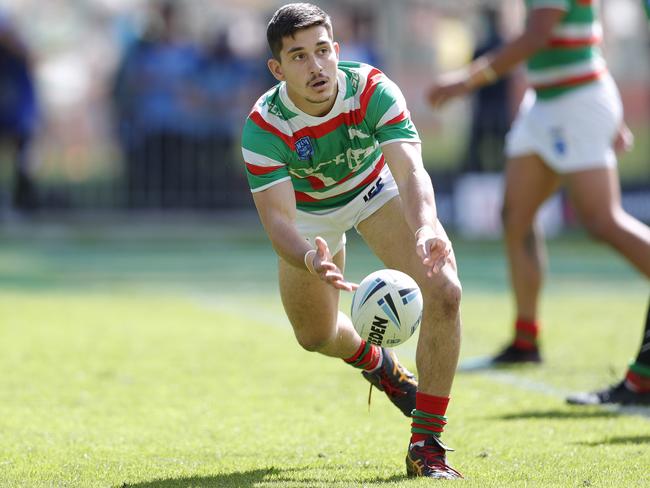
<point>354,31</point>
<point>220,88</point>
<point>18,112</point>
<point>490,108</point>
<point>152,95</point>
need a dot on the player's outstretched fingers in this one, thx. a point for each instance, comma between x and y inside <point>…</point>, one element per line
<point>435,253</point>
<point>328,270</point>
<point>323,249</point>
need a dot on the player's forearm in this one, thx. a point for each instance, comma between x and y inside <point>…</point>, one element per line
<point>490,67</point>
<point>286,241</point>
<point>276,207</point>
<point>418,199</point>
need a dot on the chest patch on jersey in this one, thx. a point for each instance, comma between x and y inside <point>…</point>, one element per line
<point>304,148</point>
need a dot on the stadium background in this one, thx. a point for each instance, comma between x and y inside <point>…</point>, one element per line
<point>143,342</point>
<point>83,150</point>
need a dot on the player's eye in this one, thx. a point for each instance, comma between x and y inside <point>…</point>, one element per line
<point>299,57</point>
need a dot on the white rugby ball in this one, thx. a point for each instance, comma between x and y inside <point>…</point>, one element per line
<point>387,307</point>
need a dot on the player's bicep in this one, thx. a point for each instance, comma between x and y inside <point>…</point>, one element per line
<point>276,206</point>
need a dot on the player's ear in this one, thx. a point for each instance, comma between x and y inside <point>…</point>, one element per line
<point>337,49</point>
<point>276,69</point>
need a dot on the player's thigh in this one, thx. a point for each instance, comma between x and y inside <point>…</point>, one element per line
<point>595,194</point>
<point>310,304</point>
<point>388,235</point>
<point>528,183</point>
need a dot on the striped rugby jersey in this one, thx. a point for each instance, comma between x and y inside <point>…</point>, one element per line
<point>572,58</point>
<point>330,159</point>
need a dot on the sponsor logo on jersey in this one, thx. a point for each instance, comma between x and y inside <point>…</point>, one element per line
<point>304,148</point>
<point>374,190</point>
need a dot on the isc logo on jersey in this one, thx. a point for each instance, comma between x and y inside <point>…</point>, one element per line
<point>387,307</point>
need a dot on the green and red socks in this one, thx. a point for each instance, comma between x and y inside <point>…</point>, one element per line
<point>428,417</point>
<point>368,357</point>
<point>637,378</point>
<point>526,333</point>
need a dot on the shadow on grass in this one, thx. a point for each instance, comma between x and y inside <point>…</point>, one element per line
<point>631,439</point>
<point>558,414</point>
<point>268,476</point>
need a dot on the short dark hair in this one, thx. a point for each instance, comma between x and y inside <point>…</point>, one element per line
<point>291,18</point>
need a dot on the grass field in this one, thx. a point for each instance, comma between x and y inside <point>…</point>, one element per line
<point>157,355</point>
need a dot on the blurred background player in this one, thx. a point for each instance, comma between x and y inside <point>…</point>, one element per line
<point>634,389</point>
<point>18,112</point>
<point>321,150</point>
<point>565,133</point>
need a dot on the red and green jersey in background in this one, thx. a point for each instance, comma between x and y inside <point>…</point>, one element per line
<point>572,57</point>
<point>330,159</point>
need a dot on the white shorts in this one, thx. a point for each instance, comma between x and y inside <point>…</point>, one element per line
<point>572,132</point>
<point>331,225</point>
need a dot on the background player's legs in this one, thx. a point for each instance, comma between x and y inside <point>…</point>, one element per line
<point>312,308</point>
<point>388,235</point>
<point>529,182</point>
<point>596,196</point>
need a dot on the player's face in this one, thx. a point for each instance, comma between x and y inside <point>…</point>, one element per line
<point>308,65</point>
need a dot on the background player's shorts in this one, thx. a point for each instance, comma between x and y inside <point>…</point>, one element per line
<point>331,225</point>
<point>572,132</point>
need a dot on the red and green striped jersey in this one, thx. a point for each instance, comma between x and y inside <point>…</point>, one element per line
<point>572,57</point>
<point>330,159</point>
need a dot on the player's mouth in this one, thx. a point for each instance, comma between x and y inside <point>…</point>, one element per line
<point>318,83</point>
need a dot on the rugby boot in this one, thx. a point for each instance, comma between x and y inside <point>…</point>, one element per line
<point>618,393</point>
<point>395,380</point>
<point>428,459</point>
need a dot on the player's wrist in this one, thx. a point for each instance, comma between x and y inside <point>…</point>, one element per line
<point>482,76</point>
<point>425,231</point>
<point>308,259</point>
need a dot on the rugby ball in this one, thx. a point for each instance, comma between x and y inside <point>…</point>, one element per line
<point>387,307</point>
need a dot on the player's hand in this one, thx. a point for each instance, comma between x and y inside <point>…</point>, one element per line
<point>445,88</point>
<point>624,140</point>
<point>327,270</point>
<point>432,249</point>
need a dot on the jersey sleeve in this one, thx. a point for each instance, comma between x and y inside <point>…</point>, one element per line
<point>388,115</point>
<point>558,4</point>
<point>264,156</point>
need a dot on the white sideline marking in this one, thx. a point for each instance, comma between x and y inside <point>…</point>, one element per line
<point>473,365</point>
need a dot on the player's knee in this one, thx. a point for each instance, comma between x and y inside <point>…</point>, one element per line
<point>515,225</point>
<point>313,341</point>
<point>601,227</point>
<point>446,297</point>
